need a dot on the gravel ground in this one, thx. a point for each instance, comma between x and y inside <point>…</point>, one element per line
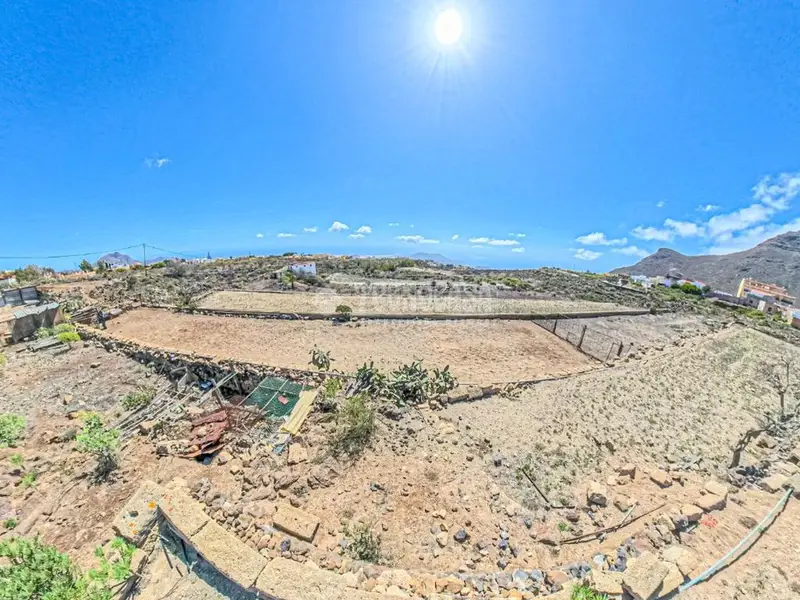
<point>477,351</point>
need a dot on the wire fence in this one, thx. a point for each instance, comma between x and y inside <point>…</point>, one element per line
<point>596,344</point>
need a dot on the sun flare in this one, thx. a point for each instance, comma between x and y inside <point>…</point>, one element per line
<point>449,27</point>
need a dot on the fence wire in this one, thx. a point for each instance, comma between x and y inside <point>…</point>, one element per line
<point>596,344</point>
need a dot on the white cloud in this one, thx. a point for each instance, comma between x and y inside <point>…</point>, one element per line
<point>517,235</point>
<point>779,192</point>
<point>259,235</point>
<point>632,251</point>
<point>660,204</point>
<point>727,243</point>
<point>476,246</point>
<point>364,229</point>
<point>599,239</point>
<point>285,235</point>
<point>411,226</point>
<point>455,237</point>
<point>416,239</point>
<point>310,229</point>
<point>156,162</point>
<point>743,218</point>
<point>584,254</point>
<point>338,226</point>
<point>520,249</point>
<point>493,242</point>
<point>708,208</point>
<point>685,228</point>
<point>394,224</point>
<point>356,236</point>
<point>653,233</point>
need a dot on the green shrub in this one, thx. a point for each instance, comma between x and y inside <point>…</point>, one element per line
<point>584,592</point>
<point>10,523</point>
<point>362,543</point>
<point>370,380</point>
<point>64,328</point>
<point>355,424</point>
<point>102,443</point>
<point>332,386</point>
<point>44,332</point>
<point>68,336</point>
<point>344,312</point>
<point>142,396</point>
<point>28,480</point>
<point>16,459</point>
<point>413,384</point>
<point>11,428</point>
<point>321,359</point>
<point>688,288</point>
<point>115,570</point>
<point>36,571</point>
<point>3,360</point>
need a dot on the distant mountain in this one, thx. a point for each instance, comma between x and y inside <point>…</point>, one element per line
<point>117,259</point>
<point>437,258</point>
<point>776,260</point>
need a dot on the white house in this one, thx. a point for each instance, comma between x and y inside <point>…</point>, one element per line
<point>306,268</point>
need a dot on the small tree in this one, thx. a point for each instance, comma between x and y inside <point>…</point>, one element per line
<point>321,359</point>
<point>344,312</point>
<point>86,266</point>
<point>102,443</point>
<point>355,425</point>
<point>779,376</point>
<point>288,278</point>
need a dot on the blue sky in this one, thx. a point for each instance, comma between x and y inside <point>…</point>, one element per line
<point>577,134</point>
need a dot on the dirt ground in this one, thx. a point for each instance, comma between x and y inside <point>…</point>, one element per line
<point>477,351</point>
<point>649,331</point>
<point>386,304</point>
<point>687,404</point>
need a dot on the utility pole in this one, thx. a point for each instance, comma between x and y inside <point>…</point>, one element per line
<point>144,258</point>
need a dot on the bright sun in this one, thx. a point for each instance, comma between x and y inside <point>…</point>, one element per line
<point>449,27</point>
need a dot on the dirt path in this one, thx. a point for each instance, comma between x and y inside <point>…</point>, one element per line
<point>477,351</point>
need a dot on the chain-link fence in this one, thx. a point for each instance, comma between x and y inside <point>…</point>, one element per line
<point>589,341</point>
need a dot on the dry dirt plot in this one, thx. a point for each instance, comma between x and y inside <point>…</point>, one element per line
<point>687,404</point>
<point>477,351</point>
<point>323,303</point>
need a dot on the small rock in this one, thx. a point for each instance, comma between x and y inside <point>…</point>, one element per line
<point>686,560</point>
<point>710,502</point>
<point>497,459</point>
<point>441,539</point>
<point>628,470</point>
<point>692,512</point>
<point>297,454</point>
<point>643,578</point>
<point>461,536</point>
<point>662,478</point>
<point>224,457</point>
<point>716,488</point>
<point>597,494</point>
<point>774,483</point>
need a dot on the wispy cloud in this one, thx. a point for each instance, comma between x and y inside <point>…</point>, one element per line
<point>660,204</point>
<point>455,237</point>
<point>416,239</point>
<point>493,242</point>
<point>356,236</point>
<point>653,233</point>
<point>156,162</point>
<point>741,219</point>
<point>310,229</point>
<point>338,226</point>
<point>517,235</point>
<point>632,251</point>
<point>518,250</point>
<point>777,192</point>
<point>599,239</point>
<point>584,254</point>
<point>394,224</point>
<point>727,243</point>
<point>285,235</point>
<point>708,208</point>
<point>685,228</point>
<point>259,235</point>
<point>364,229</point>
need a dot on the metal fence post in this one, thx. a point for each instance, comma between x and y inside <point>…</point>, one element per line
<point>583,333</point>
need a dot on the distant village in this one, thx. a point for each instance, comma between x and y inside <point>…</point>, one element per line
<point>768,298</point>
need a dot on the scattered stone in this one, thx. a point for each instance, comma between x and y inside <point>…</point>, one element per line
<point>441,539</point>
<point>643,578</point>
<point>556,578</point>
<point>497,459</point>
<point>297,454</point>
<point>692,512</point>
<point>461,536</point>
<point>504,580</point>
<point>597,494</point>
<point>296,522</point>
<point>628,470</point>
<point>774,483</point>
<point>623,502</point>
<point>710,502</point>
<point>608,583</point>
<point>672,580</point>
<point>686,560</point>
<point>716,488</point>
<point>284,479</point>
<point>795,455</point>
<point>224,457</point>
<point>662,478</point>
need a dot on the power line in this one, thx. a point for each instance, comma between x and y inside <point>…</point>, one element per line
<point>169,251</point>
<point>66,255</point>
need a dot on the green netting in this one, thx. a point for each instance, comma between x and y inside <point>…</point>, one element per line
<point>275,396</point>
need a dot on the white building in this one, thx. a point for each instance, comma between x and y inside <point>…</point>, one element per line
<point>306,268</point>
